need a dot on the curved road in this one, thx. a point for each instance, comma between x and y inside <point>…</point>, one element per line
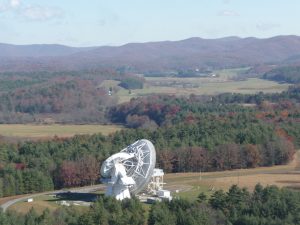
<point>86,189</point>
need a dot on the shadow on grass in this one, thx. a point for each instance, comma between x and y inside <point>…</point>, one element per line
<point>289,181</point>
<point>76,196</point>
<point>296,188</point>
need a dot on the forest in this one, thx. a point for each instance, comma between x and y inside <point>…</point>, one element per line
<point>265,206</point>
<point>66,97</point>
<point>289,74</point>
<point>79,97</point>
<point>191,134</point>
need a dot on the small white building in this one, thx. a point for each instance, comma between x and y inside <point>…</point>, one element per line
<point>29,200</point>
<point>164,194</point>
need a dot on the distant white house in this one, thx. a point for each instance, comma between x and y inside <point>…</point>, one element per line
<point>29,200</point>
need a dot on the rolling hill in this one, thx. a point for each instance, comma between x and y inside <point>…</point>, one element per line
<point>166,55</point>
<point>38,50</point>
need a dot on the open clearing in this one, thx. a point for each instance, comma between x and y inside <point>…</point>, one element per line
<point>42,203</point>
<point>39,204</point>
<point>201,86</point>
<point>79,198</point>
<point>213,86</point>
<point>46,131</point>
<point>190,185</point>
<point>225,81</point>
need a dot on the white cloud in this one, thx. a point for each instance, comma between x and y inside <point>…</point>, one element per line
<point>266,26</point>
<point>32,12</point>
<point>228,13</point>
<point>37,12</point>
<point>15,3</point>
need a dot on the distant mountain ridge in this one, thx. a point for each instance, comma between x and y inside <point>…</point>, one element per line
<point>38,50</point>
<point>165,55</point>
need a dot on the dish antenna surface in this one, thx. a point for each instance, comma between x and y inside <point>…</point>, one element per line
<point>129,171</point>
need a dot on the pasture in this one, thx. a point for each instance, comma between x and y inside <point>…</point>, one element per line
<point>200,86</point>
<point>48,131</point>
<point>224,81</point>
<point>211,86</point>
<point>190,185</point>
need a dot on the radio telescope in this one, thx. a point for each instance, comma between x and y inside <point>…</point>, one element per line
<point>129,171</point>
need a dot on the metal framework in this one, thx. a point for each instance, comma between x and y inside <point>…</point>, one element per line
<point>156,183</point>
<point>129,170</point>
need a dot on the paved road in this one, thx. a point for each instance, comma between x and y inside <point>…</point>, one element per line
<point>86,189</point>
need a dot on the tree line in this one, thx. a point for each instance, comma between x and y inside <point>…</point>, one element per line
<point>265,206</point>
<point>153,111</point>
<point>226,157</point>
<point>289,74</point>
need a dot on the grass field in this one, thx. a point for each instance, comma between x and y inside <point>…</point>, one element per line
<point>190,185</point>
<point>39,204</point>
<point>42,203</point>
<point>45,131</point>
<point>109,83</point>
<point>213,86</point>
<point>201,86</point>
<point>224,82</point>
<point>231,73</point>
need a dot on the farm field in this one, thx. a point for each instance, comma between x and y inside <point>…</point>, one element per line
<point>201,86</point>
<point>46,131</point>
<point>225,81</point>
<point>190,185</point>
<point>231,73</point>
<point>213,86</point>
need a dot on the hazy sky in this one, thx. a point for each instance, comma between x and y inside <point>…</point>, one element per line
<point>115,22</point>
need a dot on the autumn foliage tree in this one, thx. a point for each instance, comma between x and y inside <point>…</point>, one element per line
<point>84,171</point>
<point>89,170</point>
<point>69,174</point>
<point>251,156</point>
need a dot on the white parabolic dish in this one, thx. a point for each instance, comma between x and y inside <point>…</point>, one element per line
<point>139,161</point>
